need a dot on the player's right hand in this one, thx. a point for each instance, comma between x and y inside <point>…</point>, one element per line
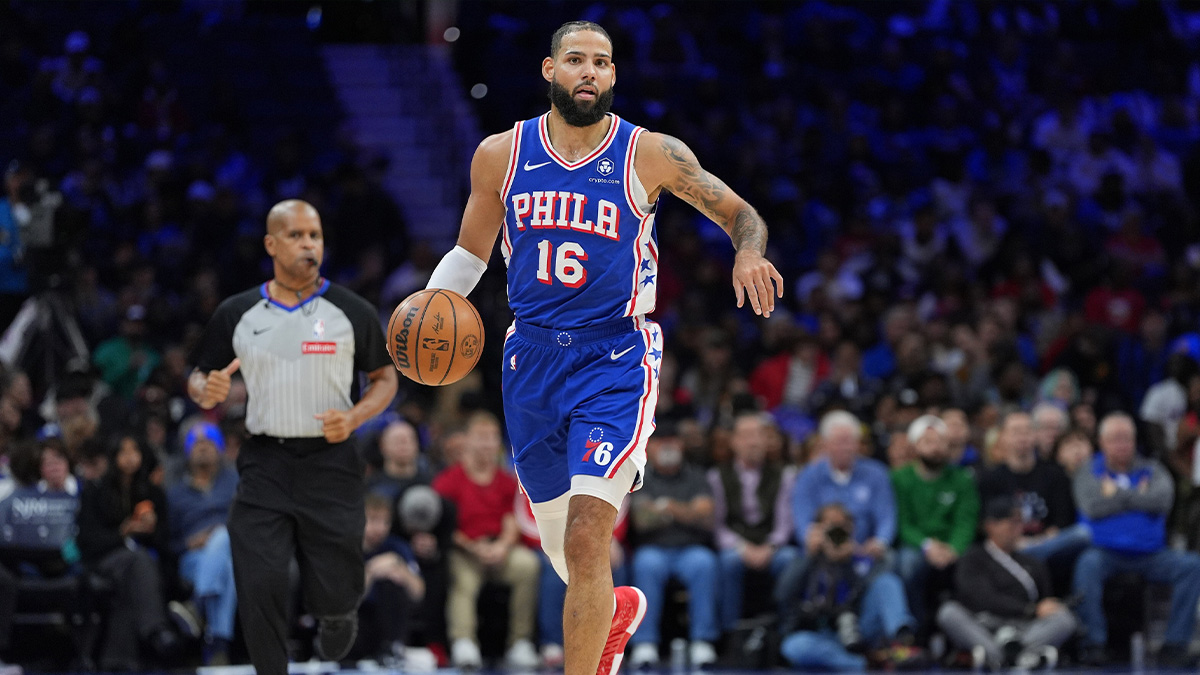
<point>216,387</point>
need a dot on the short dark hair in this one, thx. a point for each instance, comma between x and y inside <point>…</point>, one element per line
<point>838,507</point>
<point>1072,434</point>
<point>574,27</point>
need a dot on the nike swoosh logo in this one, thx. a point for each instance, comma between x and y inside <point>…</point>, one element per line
<point>531,167</point>
<point>262,330</point>
<point>614,356</point>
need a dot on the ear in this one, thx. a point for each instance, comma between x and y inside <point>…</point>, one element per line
<point>613,66</point>
<point>548,69</point>
<point>269,244</point>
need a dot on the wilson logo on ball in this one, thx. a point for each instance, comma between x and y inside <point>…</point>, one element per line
<point>402,339</point>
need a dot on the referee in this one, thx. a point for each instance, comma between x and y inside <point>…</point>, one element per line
<point>299,341</point>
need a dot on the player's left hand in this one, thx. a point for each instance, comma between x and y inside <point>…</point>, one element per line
<point>336,424</point>
<point>753,276</point>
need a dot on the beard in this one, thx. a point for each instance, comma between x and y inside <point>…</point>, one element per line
<point>934,464</point>
<point>580,115</point>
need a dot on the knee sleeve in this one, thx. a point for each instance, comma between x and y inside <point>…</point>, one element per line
<point>551,520</point>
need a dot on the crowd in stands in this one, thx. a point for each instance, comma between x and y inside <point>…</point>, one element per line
<point>977,404</point>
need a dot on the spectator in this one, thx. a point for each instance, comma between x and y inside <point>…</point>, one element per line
<point>14,278</point>
<point>841,476</point>
<point>118,527</point>
<point>859,483</point>
<point>487,546</point>
<point>961,451</point>
<point>127,360</point>
<point>1004,610</point>
<point>1125,500</point>
<point>937,508</point>
<point>1072,451</point>
<point>844,604</point>
<point>1043,493</point>
<point>198,507</point>
<point>393,587</point>
<point>405,467</point>
<point>751,513</point>
<point>847,386</point>
<point>789,378</point>
<point>1166,403</point>
<point>1049,422</point>
<point>38,540</point>
<point>673,518</point>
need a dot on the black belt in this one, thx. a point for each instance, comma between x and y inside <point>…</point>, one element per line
<point>305,443</point>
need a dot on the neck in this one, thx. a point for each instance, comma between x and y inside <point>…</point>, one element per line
<point>480,474</point>
<point>575,142</point>
<point>203,475</point>
<point>1022,464</point>
<point>925,472</point>
<point>399,469</point>
<point>748,466</point>
<point>1119,467</point>
<point>285,286</point>
<point>1006,549</point>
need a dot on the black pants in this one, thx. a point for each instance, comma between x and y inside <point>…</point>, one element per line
<point>299,498</point>
<point>383,619</point>
<point>137,605</point>
<point>8,605</point>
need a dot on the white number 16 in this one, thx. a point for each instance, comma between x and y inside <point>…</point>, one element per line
<point>567,266</point>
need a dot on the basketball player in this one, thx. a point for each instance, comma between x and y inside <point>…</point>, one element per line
<point>300,342</point>
<point>573,195</point>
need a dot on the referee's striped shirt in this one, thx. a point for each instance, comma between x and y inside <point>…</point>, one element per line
<point>296,361</point>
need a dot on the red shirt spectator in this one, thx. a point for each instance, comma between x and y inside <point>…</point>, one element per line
<point>1120,308</point>
<point>481,508</point>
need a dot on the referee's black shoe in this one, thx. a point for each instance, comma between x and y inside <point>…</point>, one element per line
<point>335,636</point>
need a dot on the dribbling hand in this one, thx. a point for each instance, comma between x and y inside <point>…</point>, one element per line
<point>753,278</point>
<point>216,386</point>
<point>335,424</point>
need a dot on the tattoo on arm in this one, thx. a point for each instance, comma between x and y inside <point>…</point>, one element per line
<point>749,232</point>
<point>692,183</point>
<point>706,192</point>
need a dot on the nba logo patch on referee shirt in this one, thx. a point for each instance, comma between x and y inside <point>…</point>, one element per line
<point>318,328</point>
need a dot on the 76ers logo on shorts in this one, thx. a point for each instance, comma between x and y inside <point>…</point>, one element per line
<point>605,166</point>
<point>597,447</point>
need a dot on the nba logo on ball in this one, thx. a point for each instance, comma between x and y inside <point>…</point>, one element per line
<point>604,166</point>
<point>318,328</point>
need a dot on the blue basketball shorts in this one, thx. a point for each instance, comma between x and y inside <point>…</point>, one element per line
<point>579,402</point>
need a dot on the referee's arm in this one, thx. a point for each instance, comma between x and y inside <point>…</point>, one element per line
<point>381,389</point>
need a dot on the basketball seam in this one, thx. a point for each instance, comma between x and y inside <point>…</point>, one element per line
<point>417,347</point>
<point>454,342</point>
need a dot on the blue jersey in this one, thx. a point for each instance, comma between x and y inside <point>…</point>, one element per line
<point>578,237</point>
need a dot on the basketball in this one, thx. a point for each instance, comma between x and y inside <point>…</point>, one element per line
<point>435,337</point>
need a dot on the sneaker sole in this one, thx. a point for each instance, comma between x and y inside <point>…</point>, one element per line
<point>619,656</point>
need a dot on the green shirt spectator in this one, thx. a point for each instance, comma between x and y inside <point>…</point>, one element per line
<point>941,507</point>
<point>937,511</point>
<point>127,360</point>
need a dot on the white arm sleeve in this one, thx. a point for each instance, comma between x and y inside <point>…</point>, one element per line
<point>458,271</point>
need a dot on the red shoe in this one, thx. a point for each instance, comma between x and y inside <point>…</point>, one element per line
<point>631,608</point>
